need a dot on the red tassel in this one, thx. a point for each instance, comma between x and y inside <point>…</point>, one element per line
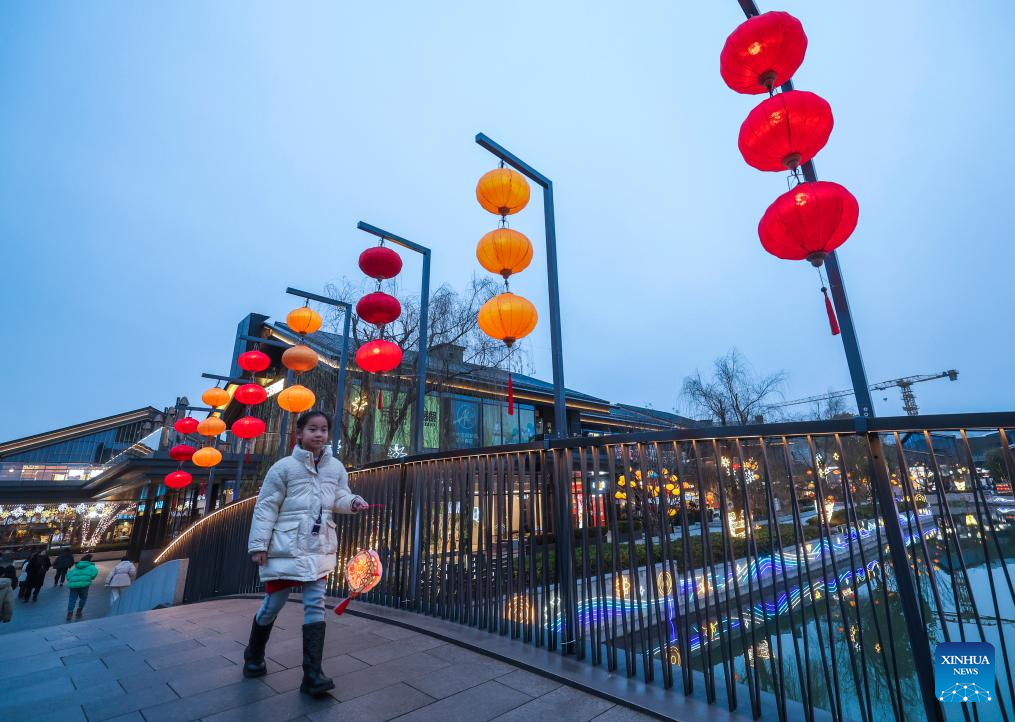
<point>511,396</point>
<point>380,400</point>
<point>832,321</point>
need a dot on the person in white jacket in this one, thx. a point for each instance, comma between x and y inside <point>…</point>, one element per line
<point>120,578</point>
<point>293,540</point>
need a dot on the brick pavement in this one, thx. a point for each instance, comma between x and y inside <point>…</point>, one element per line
<point>183,664</point>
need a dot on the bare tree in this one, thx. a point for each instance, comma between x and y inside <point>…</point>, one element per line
<point>734,394</point>
<point>453,327</point>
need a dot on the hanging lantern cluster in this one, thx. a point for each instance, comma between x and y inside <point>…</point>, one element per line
<point>250,394</point>
<point>504,251</point>
<point>379,309</point>
<point>785,131</point>
<point>299,359</point>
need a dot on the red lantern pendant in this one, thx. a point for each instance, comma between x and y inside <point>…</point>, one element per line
<point>378,308</point>
<point>786,130</point>
<point>380,263</point>
<point>250,394</point>
<point>253,361</point>
<point>763,53</point>
<point>378,356</point>
<point>248,427</point>
<point>809,222</point>
<point>186,425</point>
<point>181,452</point>
<point>511,396</point>
<point>178,479</point>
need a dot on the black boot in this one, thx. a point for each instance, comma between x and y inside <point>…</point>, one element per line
<point>314,681</point>
<point>253,655</point>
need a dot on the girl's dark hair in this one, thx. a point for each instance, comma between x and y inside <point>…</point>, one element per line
<point>305,417</point>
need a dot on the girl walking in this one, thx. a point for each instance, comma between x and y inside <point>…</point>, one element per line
<point>120,578</point>
<point>293,540</point>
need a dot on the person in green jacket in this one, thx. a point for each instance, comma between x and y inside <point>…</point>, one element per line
<point>79,578</point>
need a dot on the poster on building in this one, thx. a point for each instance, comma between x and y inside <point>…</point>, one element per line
<point>432,422</point>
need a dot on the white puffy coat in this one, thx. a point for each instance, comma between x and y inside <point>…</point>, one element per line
<point>296,495</point>
<point>122,575</point>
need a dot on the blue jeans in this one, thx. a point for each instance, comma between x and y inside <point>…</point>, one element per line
<point>313,603</point>
<point>79,595</point>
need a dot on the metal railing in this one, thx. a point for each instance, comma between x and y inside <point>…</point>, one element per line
<point>789,570</point>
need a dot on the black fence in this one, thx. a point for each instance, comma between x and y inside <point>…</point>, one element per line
<point>793,570</point>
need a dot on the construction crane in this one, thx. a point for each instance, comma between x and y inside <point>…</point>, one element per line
<point>904,384</point>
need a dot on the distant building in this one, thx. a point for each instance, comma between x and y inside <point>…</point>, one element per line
<point>466,405</point>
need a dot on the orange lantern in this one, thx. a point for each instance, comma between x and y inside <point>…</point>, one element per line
<point>508,317</point>
<point>296,398</point>
<point>212,426</point>
<point>215,397</point>
<point>299,358</point>
<point>504,251</point>
<point>503,191</point>
<point>206,456</point>
<point>304,320</point>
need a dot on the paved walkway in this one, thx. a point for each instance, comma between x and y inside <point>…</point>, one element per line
<point>52,605</point>
<point>183,664</point>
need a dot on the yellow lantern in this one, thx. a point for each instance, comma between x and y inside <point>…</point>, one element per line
<point>212,426</point>
<point>304,320</point>
<point>503,191</point>
<point>207,456</point>
<point>504,251</point>
<point>508,317</point>
<point>215,397</point>
<point>296,398</point>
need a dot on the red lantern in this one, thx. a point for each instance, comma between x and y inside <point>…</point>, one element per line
<point>378,356</point>
<point>186,425</point>
<point>809,222</point>
<point>253,361</point>
<point>380,262</point>
<point>250,394</point>
<point>378,308</point>
<point>763,52</point>
<point>248,427</point>
<point>785,130</point>
<point>181,452</point>
<point>178,479</point>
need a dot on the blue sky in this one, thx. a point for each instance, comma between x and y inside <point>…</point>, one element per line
<point>167,168</point>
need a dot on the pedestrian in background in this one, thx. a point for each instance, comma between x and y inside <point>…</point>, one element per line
<point>121,577</point>
<point>8,583</point>
<point>79,578</point>
<point>37,566</point>
<point>63,562</point>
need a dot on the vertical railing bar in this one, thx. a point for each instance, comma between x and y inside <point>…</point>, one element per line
<point>603,615</point>
<point>852,523</point>
<point>908,592</point>
<point>977,498</point>
<point>825,531</point>
<point>509,492</point>
<point>775,538</point>
<point>630,661</point>
<point>726,636</point>
<point>666,563</point>
<point>910,492</point>
<point>651,575</point>
<point>632,555</point>
<point>687,568</point>
<point>533,556</point>
<point>651,590</point>
<point>708,584</point>
<point>798,535</point>
<point>949,526</point>
<point>585,600</point>
<point>753,679</point>
<point>831,679</point>
<point>678,592</point>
